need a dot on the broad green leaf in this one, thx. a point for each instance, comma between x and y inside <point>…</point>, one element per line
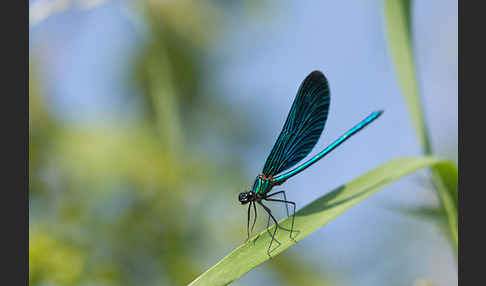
<point>309,219</point>
<point>397,15</point>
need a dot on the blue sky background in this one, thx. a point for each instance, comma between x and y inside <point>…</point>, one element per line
<point>260,61</point>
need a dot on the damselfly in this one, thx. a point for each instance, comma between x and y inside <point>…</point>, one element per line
<point>300,133</point>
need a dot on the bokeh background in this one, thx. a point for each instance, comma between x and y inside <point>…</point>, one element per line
<point>147,118</point>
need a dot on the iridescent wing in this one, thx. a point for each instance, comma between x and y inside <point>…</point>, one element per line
<point>303,126</point>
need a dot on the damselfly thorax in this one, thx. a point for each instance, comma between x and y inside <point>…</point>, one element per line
<point>262,185</point>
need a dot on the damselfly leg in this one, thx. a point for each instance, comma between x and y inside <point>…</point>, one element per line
<point>248,219</point>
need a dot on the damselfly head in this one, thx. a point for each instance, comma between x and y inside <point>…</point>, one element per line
<point>245,197</point>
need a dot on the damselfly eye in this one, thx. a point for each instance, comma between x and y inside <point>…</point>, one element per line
<point>243,198</point>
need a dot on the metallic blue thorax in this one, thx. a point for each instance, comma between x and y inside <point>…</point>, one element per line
<point>262,185</point>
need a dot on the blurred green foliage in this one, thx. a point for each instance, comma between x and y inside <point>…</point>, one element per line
<point>128,204</point>
<point>64,264</point>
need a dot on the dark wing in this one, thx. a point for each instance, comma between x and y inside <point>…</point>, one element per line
<point>303,126</point>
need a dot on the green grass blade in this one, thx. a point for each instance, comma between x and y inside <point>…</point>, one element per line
<point>398,25</point>
<point>448,174</point>
<point>446,178</point>
<point>397,15</point>
<point>309,219</point>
